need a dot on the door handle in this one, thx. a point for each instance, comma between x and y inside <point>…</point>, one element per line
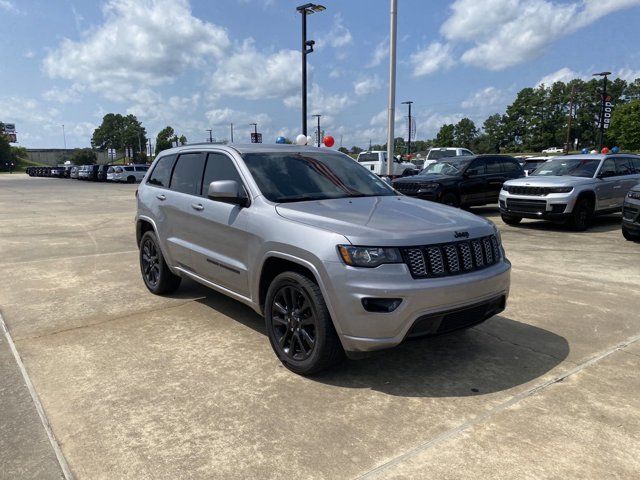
<point>197,206</point>
<point>161,197</point>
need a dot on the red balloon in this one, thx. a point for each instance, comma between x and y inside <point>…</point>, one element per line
<point>328,141</point>
<point>605,150</point>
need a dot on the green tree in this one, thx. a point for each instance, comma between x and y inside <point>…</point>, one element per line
<point>355,150</point>
<point>625,125</point>
<point>164,139</point>
<point>465,133</point>
<point>445,136</point>
<point>5,150</point>
<point>343,150</point>
<point>118,131</point>
<point>84,156</point>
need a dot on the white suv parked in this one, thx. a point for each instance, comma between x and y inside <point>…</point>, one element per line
<point>127,173</point>
<point>439,153</point>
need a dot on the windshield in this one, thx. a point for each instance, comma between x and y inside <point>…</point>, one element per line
<point>575,167</point>
<point>292,177</point>
<point>444,168</point>
<point>436,154</point>
<point>532,164</point>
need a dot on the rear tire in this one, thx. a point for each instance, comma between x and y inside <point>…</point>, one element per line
<point>629,236</point>
<point>451,199</point>
<point>131,179</point>
<point>581,215</point>
<point>157,276</point>
<point>511,219</point>
<point>299,326</point>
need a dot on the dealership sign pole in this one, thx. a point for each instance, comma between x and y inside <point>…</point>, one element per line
<point>392,84</point>
<point>605,109</point>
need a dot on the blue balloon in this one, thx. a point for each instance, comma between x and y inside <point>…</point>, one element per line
<point>281,140</point>
<point>585,150</point>
<point>615,150</point>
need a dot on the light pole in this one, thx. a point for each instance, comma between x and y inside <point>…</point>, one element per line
<point>318,117</point>
<point>602,105</point>
<point>409,134</point>
<point>232,133</point>
<point>64,138</point>
<point>307,48</point>
<point>392,83</point>
<point>210,135</point>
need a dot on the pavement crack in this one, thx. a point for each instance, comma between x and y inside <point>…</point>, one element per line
<point>526,347</point>
<point>121,317</point>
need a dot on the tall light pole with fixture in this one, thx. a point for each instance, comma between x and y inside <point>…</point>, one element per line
<point>64,138</point>
<point>255,132</point>
<point>392,83</point>
<point>307,48</point>
<point>318,117</point>
<point>410,125</point>
<point>210,135</point>
<point>602,104</point>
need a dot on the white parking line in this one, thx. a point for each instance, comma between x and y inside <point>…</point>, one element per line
<point>64,466</point>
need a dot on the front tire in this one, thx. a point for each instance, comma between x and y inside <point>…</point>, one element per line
<point>511,219</point>
<point>581,215</point>
<point>157,276</point>
<point>299,326</point>
<point>131,179</point>
<point>451,199</point>
<point>629,236</point>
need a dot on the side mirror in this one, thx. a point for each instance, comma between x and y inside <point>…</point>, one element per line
<point>227,191</point>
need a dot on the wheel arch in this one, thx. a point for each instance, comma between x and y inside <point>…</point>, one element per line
<point>589,195</point>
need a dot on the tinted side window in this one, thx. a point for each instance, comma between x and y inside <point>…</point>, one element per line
<point>219,167</point>
<point>187,174</point>
<point>142,169</point>
<point>511,166</point>
<point>608,168</point>
<point>636,164</point>
<point>624,166</point>
<point>162,171</point>
<point>493,166</point>
<point>477,167</point>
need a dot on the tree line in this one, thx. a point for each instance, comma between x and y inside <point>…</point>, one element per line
<point>539,118</point>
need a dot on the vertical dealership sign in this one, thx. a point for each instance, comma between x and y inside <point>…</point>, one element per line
<point>604,119</point>
<point>9,131</point>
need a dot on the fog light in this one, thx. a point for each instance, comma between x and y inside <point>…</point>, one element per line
<point>381,305</point>
<point>558,207</point>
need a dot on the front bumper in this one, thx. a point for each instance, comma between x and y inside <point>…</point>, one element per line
<point>631,215</point>
<point>554,206</point>
<point>362,331</point>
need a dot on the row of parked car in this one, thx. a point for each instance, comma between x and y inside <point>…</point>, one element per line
<point>98,173</point>
<point>570,189</point>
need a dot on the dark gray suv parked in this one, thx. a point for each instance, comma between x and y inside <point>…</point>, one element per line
<point>331,255</point>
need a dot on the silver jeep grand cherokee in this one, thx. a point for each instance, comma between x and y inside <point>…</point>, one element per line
<point>334,258</point>
<point>571,189</point>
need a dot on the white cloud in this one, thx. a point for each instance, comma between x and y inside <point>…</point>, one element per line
<point>565,75</point>
<point>508,32</point>
<point>486,101</point>
<point>73,94</point>
<point>321,101</point>
<point>29,53</point>
<point>256,75</point>
<point>379,53</point>
<point>367,85</point>
<point>436,56</point>
<point>335,73</point>
<point>380,118</point>
<point>140,43</point>
<point>628,74</point>
<point>8,6</point>
<point>225,116</point>
<point>339,36</point>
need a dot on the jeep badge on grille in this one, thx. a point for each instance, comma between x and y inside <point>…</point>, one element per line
<point>461,234</point>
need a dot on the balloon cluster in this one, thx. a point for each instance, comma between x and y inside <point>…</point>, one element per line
<point>615,150</point>
<point>301,139</point>
<point>584,150</point>
<point>281,140</point>
<point>605,150</point>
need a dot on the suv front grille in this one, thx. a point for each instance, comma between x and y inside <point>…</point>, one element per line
<point>521,190</point>
<point>407,188</point>
<point>452,258</point>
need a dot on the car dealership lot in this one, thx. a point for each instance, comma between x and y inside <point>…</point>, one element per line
<point>186,386</point>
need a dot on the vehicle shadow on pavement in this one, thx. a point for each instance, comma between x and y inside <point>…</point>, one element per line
<point>604,223</point>
<point>497,355</point>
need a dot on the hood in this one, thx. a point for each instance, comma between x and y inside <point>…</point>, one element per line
<point>428,178</point>
<point>551,181</point>
<point>387,221</point>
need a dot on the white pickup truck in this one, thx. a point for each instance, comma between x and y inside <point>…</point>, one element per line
<point>376,161</point>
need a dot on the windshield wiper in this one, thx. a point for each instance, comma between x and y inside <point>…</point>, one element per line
<point>301,198</point>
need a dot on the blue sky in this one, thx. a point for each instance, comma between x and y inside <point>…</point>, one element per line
<point>203,64</point>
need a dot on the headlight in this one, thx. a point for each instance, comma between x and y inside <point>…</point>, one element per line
<point>560,189</point>
<point>633,194</point>
<point>368,257</point>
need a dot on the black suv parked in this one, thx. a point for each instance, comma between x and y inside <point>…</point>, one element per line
<point>102,173</point>
<point>462,181</point>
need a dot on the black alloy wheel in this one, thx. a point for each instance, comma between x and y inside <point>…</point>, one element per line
<point>294,322</point>
<point>451,199</point>
<point>581,215</point>
<point>150,261</point>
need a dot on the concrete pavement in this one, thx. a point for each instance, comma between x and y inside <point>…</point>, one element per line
<point>186,386</point>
